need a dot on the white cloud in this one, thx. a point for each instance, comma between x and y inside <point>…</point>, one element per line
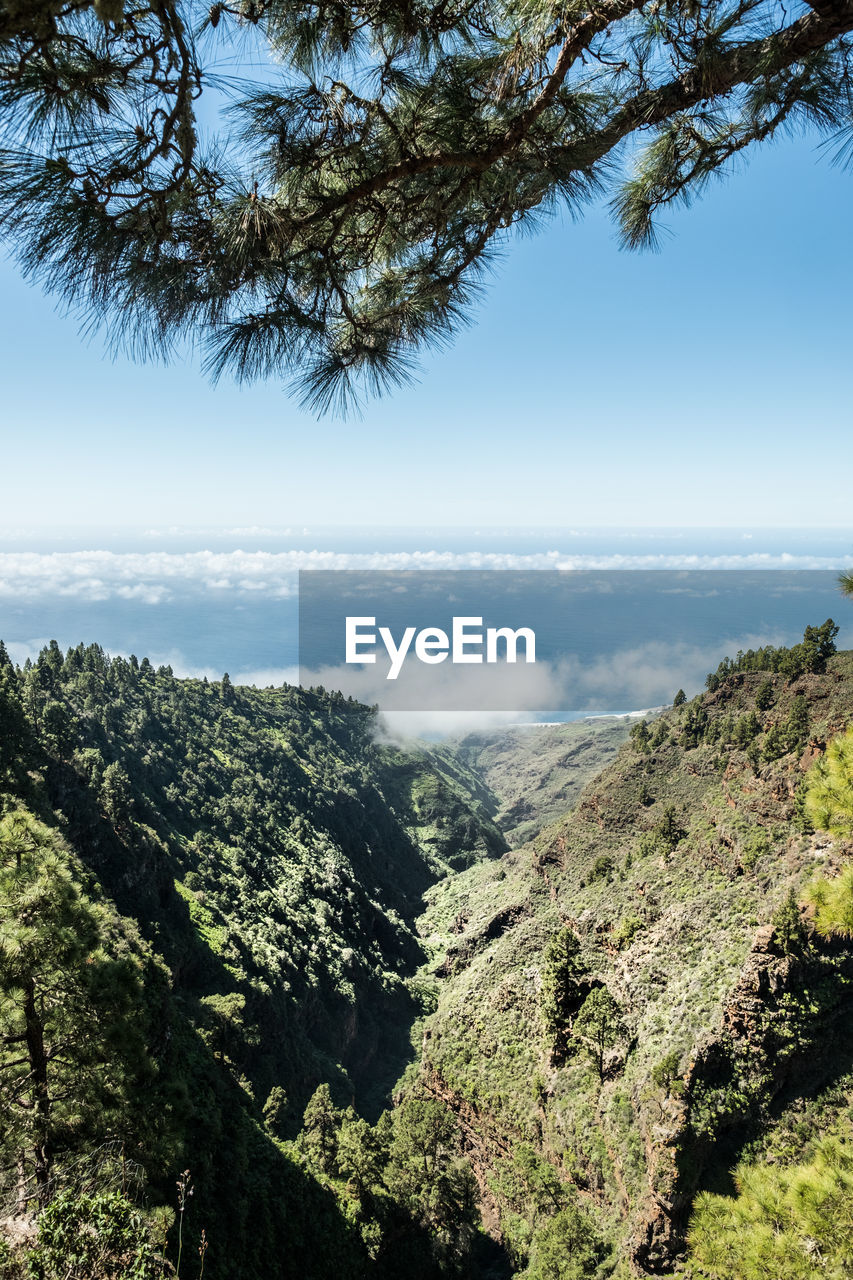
<point>157,577</point>
<point>259,677</point>
<point>429,698</point>
<point>20,650</point>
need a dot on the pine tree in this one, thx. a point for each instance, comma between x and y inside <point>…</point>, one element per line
<point>12,720</point>
<point>797,724</point>
<point>345,220</point>
<point>764,695</point>
<point>362,1155</point>
<point>793,1221</point>
<point>427,1173</point>
<point>598,1026</point>
<point>67,1041</point>
<point>321,1126</point>
<point>829,788</point>
<point>832,902</point>
<point>116,795</point>
<point>227,690</point>
<point>567,1248</point>
<point>563,990</point>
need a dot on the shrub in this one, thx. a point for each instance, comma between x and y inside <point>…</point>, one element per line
<point>566,1248</point>
<point>93,1237</point>
<point>665,1073</point>
<point>601,869</point>
<point>626,930</point>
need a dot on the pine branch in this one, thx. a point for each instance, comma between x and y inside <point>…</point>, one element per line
<point>348,224</point>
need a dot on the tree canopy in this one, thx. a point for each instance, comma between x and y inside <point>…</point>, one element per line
<point>338,217</point>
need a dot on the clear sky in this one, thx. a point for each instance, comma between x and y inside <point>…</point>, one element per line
<point>705,385</point>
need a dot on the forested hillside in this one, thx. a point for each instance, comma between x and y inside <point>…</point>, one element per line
<point>277,1000</point>
<point>659,986</point>
<point>207,900</point>
<point>537,771</point>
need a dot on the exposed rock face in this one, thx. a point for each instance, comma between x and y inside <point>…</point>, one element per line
<point>670,870</point>
<point>762,1047</point>
<point>461,954</point>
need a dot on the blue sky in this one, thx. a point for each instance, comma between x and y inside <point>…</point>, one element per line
<point>705,385</point>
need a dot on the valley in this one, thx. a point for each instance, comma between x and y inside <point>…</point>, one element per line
<point>513,1004</point>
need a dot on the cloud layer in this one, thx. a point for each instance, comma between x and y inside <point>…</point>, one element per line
<point>158,577</point>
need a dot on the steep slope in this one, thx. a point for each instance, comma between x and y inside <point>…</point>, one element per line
<point>537,771</point>
<point>259,859</point>
<point>624,1001</point>
<point>209,904</point>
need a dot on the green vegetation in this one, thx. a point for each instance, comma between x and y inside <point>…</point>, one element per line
<point>598,1026</point>
<point>207,904</point>
<point>340,218</point>
<point>400,1182</point>
<point>563,990</point>
<point>566,1248</point>
<point>537,774</point>
<point>817,645</point>
<point>81,1235</point>
<point>829,798</point>
<point>646,991</point>
<point>793,1222</point>
<point>70,1045</point>
<point>832,900</point>
<point>276,999</point>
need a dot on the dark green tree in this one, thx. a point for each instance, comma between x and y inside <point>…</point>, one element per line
<point>321,1125</point>
<point>227,690</point>
<point>665,1072</point>
<point>69,1044</point>
<point>568,1247</point>
<point>12,719</point>
<point>747,729</point>
<point>797,724</point>
<point>790,929</point>
<point>341,220</point>
<point>598,1027</point>
<point>58,728</point>
<point>428,1175</point>
<point>764,695</point>
<point>116,795</point>
<point>362,1155</point>
<point>775,743</point>
<point>670,828</point>
<point>695,724</point>
<point>820,641</point>
<point>275,1111</point>
<point>563,990</point>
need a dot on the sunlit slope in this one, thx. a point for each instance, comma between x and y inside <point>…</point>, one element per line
<point>673,873</point>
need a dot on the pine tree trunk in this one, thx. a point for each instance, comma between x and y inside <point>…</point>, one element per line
<point>21,1185</point>
<point>40,1093</point>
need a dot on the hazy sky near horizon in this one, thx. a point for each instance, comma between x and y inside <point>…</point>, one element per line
<point>705,385</point>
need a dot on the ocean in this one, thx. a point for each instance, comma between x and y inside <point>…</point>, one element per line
<point>211,600</point>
